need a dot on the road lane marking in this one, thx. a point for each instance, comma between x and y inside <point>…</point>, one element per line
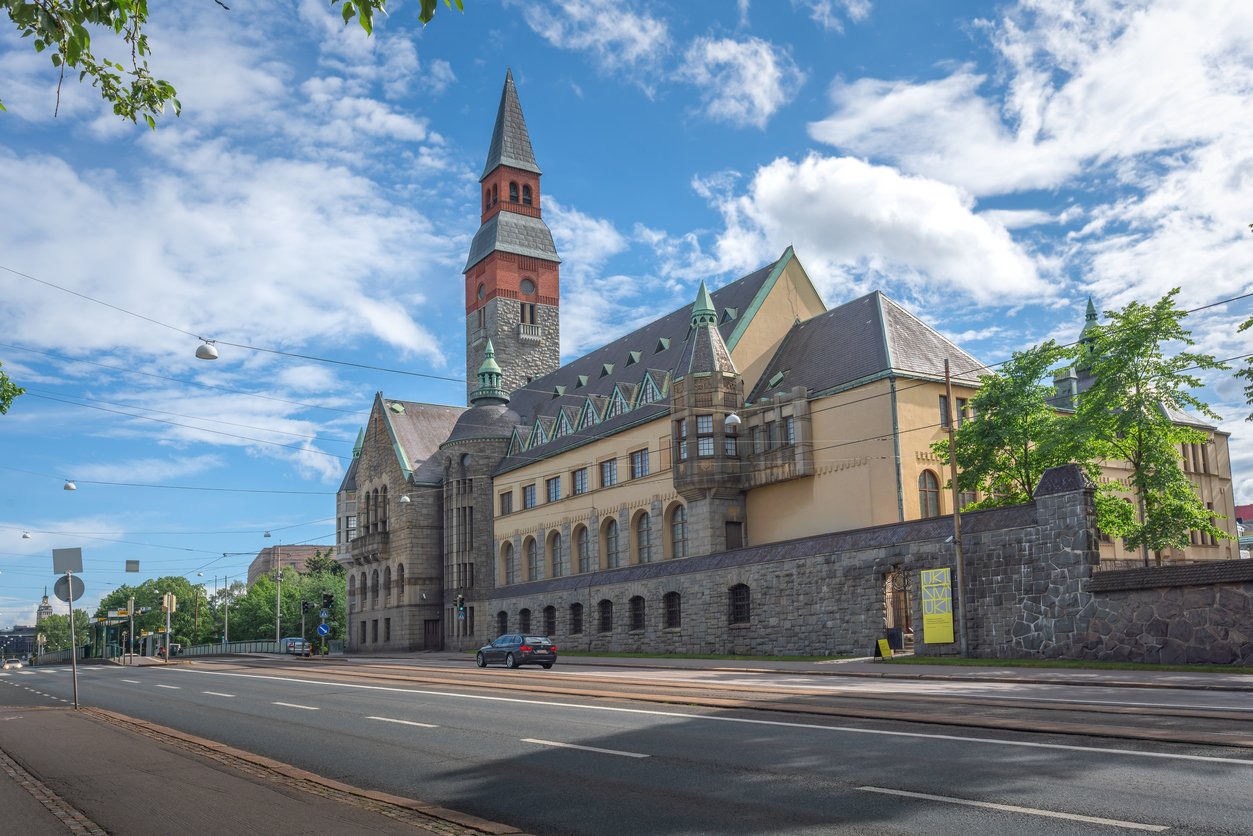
<point>171,687</point>
<point>403,722</point>
<point>132,681</point>
<point>217,694</point>
<point>992,741</point>
<point>1011,808</point>
<point>294,705</point>
<point>583,748</point>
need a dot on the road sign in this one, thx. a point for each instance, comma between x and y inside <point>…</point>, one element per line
<point>324,629</point>
<point>325,614</point>
<point>67,560</point>
<point>67,584</point>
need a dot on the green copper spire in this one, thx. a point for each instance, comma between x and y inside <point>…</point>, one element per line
<point>489,379</point>
<point>703,311</point>
<point>1090,316</point>
<point>356,447</point>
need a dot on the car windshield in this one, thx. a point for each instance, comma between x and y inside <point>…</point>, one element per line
<point>536,640</point>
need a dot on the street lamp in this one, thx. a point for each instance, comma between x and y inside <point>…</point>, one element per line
<point>69,486</point>
<point>206,351</point>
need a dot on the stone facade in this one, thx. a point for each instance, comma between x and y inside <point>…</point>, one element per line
<point>523,356</point>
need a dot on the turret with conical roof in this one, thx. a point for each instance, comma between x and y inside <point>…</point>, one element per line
<point>512,274</point>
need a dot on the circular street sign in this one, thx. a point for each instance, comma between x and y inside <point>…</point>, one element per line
<point>324,629</point>
<point>68,588</point>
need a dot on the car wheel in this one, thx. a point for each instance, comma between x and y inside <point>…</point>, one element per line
<point>480,660</point>
<point>510,662</point>
<point>548,666</point>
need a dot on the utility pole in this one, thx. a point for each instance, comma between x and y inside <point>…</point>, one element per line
<point>957,517</point>
<point>278,605</point>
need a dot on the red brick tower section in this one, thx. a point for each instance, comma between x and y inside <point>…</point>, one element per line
<point>512,276</point>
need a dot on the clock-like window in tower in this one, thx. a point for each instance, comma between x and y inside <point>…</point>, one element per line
<point>482,291</point>
<point>527,287</point>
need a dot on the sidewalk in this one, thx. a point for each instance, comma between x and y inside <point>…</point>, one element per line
<point>95,772</point>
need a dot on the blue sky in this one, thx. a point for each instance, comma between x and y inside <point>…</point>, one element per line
<point>989,165</point>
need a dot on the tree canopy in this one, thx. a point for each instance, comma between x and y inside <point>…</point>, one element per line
<point>64,29</point>
<point>8,391</point>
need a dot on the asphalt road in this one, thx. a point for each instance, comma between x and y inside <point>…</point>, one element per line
<point>552,764</point>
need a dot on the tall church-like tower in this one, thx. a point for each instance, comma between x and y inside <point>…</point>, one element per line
<point>512,274</point>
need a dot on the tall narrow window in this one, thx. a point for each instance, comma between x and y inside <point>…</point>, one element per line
<point>579,480</point>
<point>944,419</point>
<point>644,538</point>
<point>524,620</point>
<point>533,572</point>
<point>609,473</point>
<point>550,620</point>
<point>506,503</point>
<point>581,546</point>
<point>556,555</point>
<point>511,563</point>
<point>928,495</point>
<point>680,438</point>
<point>739,605</point>
<point>789,430</point>
<point>502,622</point>
<point>576,619</point>
<point>613,554</point>
<point>513,192</point>
<point>639,463</point>
<point>526,195</point>
<point>606,616</point>
<point>552,488</point>
<point>704,435</point>
<point>678,532</point>
<point>528,496</point>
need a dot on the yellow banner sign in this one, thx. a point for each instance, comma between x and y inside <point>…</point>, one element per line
<point>937,606</point>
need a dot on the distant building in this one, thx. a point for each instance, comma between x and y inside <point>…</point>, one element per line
<point>44,609</point>
<point>284,557</point>
<point>20,641</point>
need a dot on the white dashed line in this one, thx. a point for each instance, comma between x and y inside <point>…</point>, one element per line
<point>583,748</point>
<point>171,687</point>
<point>403,722</point>
<point>293,705</point>
<point>217,694</point>
<point>132,681</point>
<point>1011,808</point>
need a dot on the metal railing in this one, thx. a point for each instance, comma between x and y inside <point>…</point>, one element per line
<point>221,649</point>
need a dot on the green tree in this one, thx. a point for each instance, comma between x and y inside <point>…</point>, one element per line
<point>190,623</point>
<point>8,391</point>
<point>64,28</point>
<point>56,630</point>
<point>1129,412</point>
<point>1015,432</point>
<point>1246,372</point>
<point>322,562</point>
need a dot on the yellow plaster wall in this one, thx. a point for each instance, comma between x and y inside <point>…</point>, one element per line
<point>793,297</point>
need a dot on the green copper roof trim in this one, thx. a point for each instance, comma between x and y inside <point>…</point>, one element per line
<point>391,432</point>
<point>760,298</point>
<point>582,382</point>
<point>703,310</point>
<point>883,329</point>
<point>356,447</point>
<point>585,441</point>
<point>633,357</point>
<point>489,359</point>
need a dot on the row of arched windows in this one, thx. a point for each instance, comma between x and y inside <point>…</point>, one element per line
<point>616,548</point>
<point>491,196</point>
<point>372,516</point>
<point>669,616</point>
<point>374,590</point>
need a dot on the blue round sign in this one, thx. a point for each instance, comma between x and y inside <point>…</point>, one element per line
<point>324,629</point>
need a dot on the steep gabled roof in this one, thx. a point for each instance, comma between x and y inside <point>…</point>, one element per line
<point>416,431</point>
<point>859,341</point>
<point>511,144</point>
<point>511,232</point>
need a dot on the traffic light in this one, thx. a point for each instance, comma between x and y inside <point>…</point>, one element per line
<point>461,603</point>
<point>304,606</point>
<point>327,600</point>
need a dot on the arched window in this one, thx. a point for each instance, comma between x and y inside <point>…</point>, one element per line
<point>387,583</point>
<point>506,558</point>
<point>364,590</point>
<point>605,621</point>
<point>928,494</point>
<point>524,620</point>
<point>352,590</point>
<point>495,195</point>
<point>671,611</point>
<point>511,563</point>
<point>400,583</point>
<point>678,532</point>
<point>374,588</point>
<point>487,199</point>
<point>582,548</point>
<point>554,557</point>
<point>383,511</point>
<point>502,622</point>
<point>533,572</point>
<point>613,554</point>
<point>739,605</point>
<point>576,619</point>
<point>526,195</point>
<point>550,621</point>
<point>636,605</point>
<point>644,538</point>
<point>513,192</point>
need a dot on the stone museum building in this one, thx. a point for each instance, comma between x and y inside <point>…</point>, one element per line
<point>680,488</point>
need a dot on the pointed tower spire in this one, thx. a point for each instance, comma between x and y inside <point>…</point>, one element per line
<point>706,351</point>
<point>512,274</point>
<point>356,447</point>
<point>511,144</point>
<point>703,311</point>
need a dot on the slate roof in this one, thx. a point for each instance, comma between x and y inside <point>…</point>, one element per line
<point>417,430</point>
<point>1158,577</point>
<point>661,344</point>
<point>350,478</point>
<point>511,144</point>
<point>1179,416</point>
<point>512,233</point>
<point>859,341</point>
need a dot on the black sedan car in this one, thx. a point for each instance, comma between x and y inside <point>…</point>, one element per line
<point>516,649</point>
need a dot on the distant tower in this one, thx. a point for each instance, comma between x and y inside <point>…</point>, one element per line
<point>43,610</point>
<point>512,274</point>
